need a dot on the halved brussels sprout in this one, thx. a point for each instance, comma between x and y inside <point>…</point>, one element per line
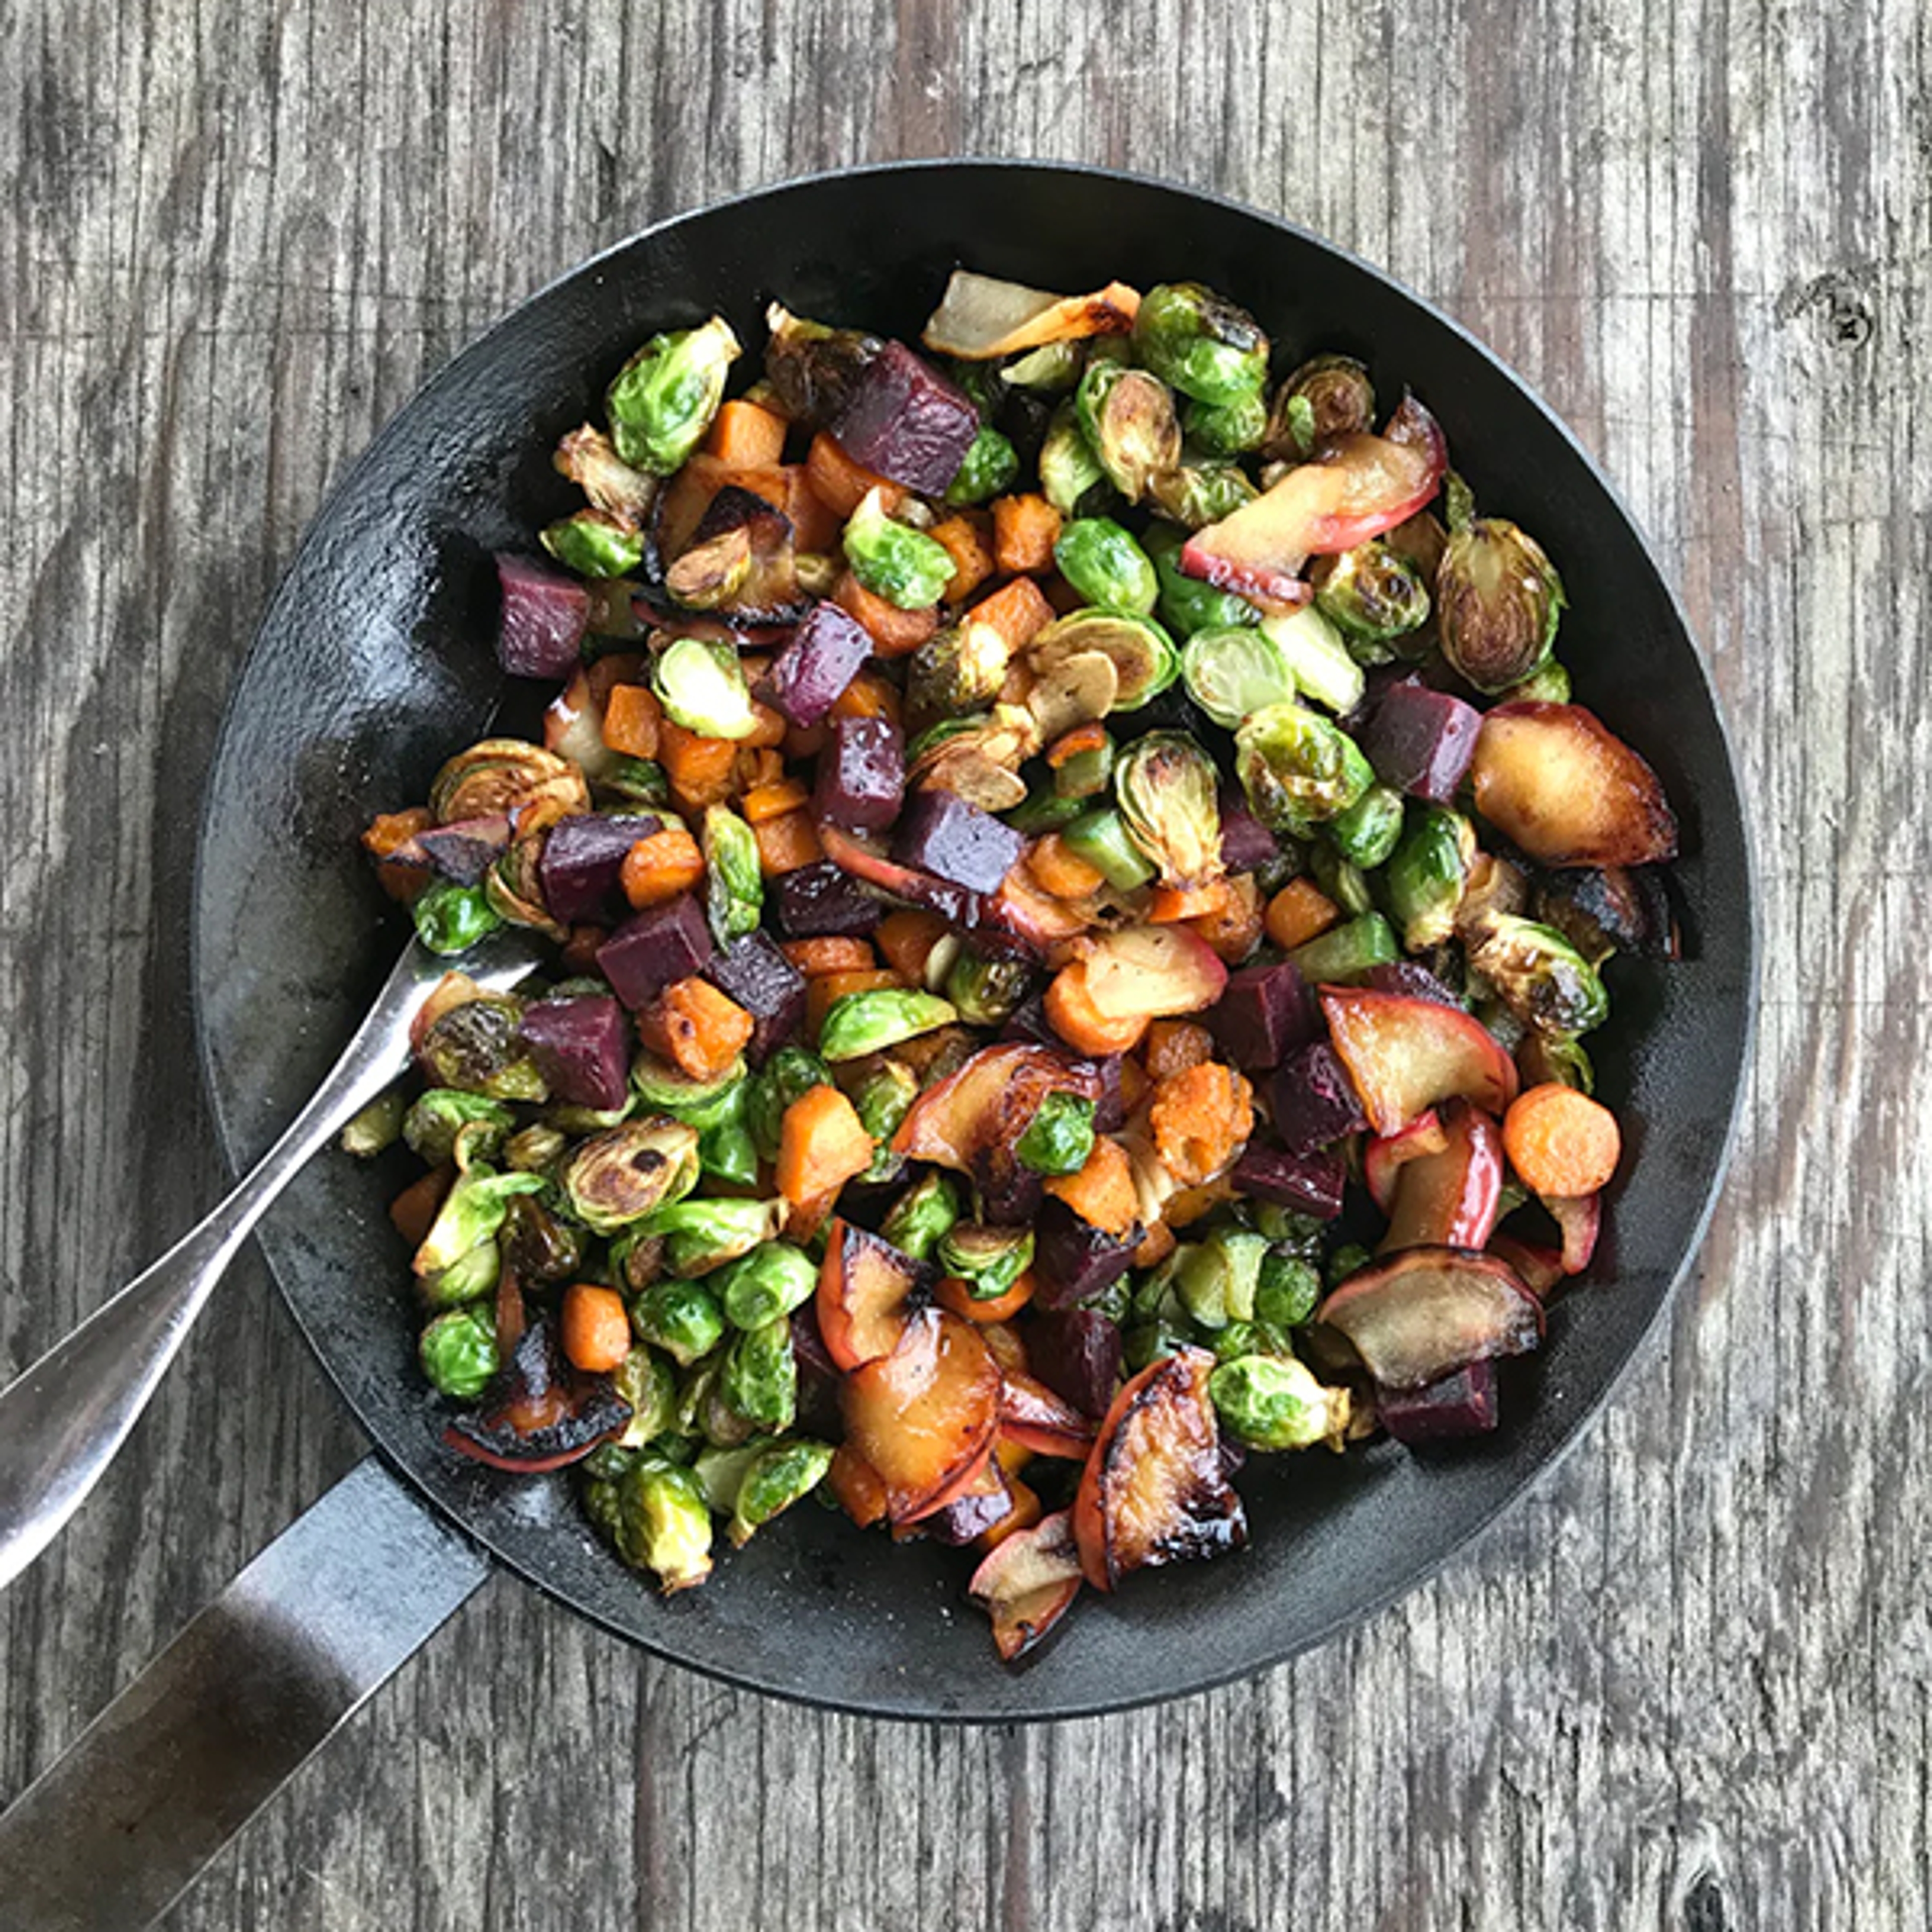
<point>773,1479</point>
<point>791,1071</point>
<point>1368,832</point>
<point>1287,1289</point>
<point>1050,369</point>
<point>1196,494</point>
<point>450,918</point>
<point>542,1246</point>
<point>590,459</point>
<point>1321,663</point>
<point>1059,1136</point>
<point>1201,343</point>
<point>814,368</point>
<point>1105,566</point>
<point>469,1278</point>
<point>858,1024</point>
<point>1145,660</point>
<point>506,776</point>
<point>1186,604</point>
<point>1167,787</point>
<point>1372,593</point>
<point>699,1103</point>
<point>1129,419</point>
<point>759,1381</point>
<point>1541,976</point>
<point>989,465</point>
<point>1545,1057</point>
<point>1497,601</point>
<point>1232,673</point>
<point>1328,396</point>
<point>1071,478</point>
<point>617,1178</point>
<point>893,560</point>
<point>458,1352</point>
<point>1548,684</point>
<point>471,1213</point>
<point>378,1126</point>
<point>664,398</point>
<point>594,543</point>
<point>918,1219</point>
<point>1216,1278</point>
<point>1428,873</point>
<point>645,1380</point>
<point>1274,1402</point>
<point>440,1114</point>
<point>701,1235</point>
<point>475,1045</point>
<point>1297,768</point>
<point>734,888</point>
<point>985,989</point>
<point>660,1522</point>
<point>701,686</point>
<point>989,1260</point>
<point>882,1100</point>
<point>1226,429</point>
<point>1339,877</point>
<point>713,571</point>
<point>955,673</point>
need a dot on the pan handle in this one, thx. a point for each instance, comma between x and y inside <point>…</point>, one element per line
<point>117,1829</point>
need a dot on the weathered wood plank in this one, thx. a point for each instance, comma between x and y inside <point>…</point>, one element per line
<point>1687,1685</point>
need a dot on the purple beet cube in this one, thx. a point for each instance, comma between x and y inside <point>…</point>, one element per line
<point>544,614</point>
<point>1463,1403</point>
<point>1421,741</point>
<point>1413,982</point>
<point>1074,1261</point>
<point>906,421</point>
<point>655,949</point>
<point>583,859</point>
<point>581,1045</point>
<point>1315,1100</point>
<point>812,673</point>
<point>1246,842</point>
<point>464,851</point>
<point>753,971</point>
<point>1263,1012</point>
<point>1076,1352</point>
<point>939,832</point>
<point>861,780</point>
<point>1311,1183</point>
<point>821,901</point>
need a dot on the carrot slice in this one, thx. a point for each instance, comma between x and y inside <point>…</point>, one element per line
<point>966,539</point>
<point>661,866</point>
<point>895,633</point>
<point>1561,1142</point>
<point>633,718</point>
<point>596,1331</point>
<point>822,1145</point>
<point>1201,1118</point>
<point>1301,911</point>
<point>773,800</point>
<point>1103,1193</point>
<point>746,436</point>
<point>954,1294</point>
<point>1171,904</point>
<point>700,1030</point>
<point>701,770</point>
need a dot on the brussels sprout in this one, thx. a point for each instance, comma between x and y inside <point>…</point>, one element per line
<point>1548,684</point>
<point>1166,786</point>
<point>1345,954</point>
<point>1541,976</point>
<point>1233,672</point>
<point>684,1318</point>
<point>1343,881</point>
<point>814,368</point>
<point>534,1149</point>
<point>759,1381</point>
<point>955,673</point>
<point>1292,1232</point>
<point>1216,1278</point>
<point>918,1219</point>
<point>469,1278</point>
<point>1287,1289</point>
<point>721,1473</point>
<point>617,1178</point>
<point>1059,1136</point>
<point>1545,1057</point>
<point>701,1235</point>
<point>1368,831</point>
<point>725,1149</point>
<point>711,573</point>
<point>664,397</point>
<point>450,918</point>
<point>589,459</point>
<point>661,1522</point>
<point>458,1352</point>
<point>701,686</point>
<point>542,1246</point>
<point>1129,420</point>
<point>506,774</point>
<point>985,990</point>
<point>440,1114</point>
<point>1298,768</point>
<point>989,465</point>
<point>734,881</point>
<point>1145,660</point>
<point>471,1213</point>
<point>1070,476</point>
<point>861,1023</point>
<point>593,543</point>
<point>1201,343</point>
<point>1274,1402</point>
<point>1101,839</point>
<point>475,1045</point>
<point>1196,494</point>
<point>1318,659</point>
<point>1043,809</point>
<point>791,1071</point>
<point>1050,369</point>
<point>645,1380</point>
<point>1328,396</point>
<point>775,1477</point>
<point>1427,874</point>
<point>989,1260</point>
<point>769,1282</point>
<point>893,560</point>
<point>1085,773</point>
<point>1372,593</point>
<point>1187,604</point>
<point>378,1126</point>
<point>1345,1261</point>
<point>1497,600</point>
<point>1105,566</point>
<point>1226,429</point>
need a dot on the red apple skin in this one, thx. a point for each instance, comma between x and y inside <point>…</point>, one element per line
<point>1540,1268</point>
<point>995,1092</point>
<point>1580,1216</point>
<point>1406,1055</point>
<point>1450,1199</point>
<point>1034,1418</point>
<point>1387,1155</point>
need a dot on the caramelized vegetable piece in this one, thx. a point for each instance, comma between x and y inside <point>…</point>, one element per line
<point>1103,1193</point>
<point>1405,1054</point>
<point>700,1030</point>
<point>867,1290</point>
<point>823,1143</point>
<point>1028,1583</point>
<point>980,318</point>
<point>1449,1198</point>
<point>1155,1490</point>
<point>1202,1119</point>
<point>1423,1313</point>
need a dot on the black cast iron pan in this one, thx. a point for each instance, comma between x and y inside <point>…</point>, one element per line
<point>374,662</point>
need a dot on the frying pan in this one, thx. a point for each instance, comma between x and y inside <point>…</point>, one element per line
<point>374,662</point>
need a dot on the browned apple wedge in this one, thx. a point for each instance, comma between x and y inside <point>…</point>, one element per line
<point>868,1291</point>
<point>1386,1155</point>
<point>1420,1315</point>
<point>1580,1216</point>
<point>1553,778</point>
<point>987,1103</point>
<point>924,1416</point>
<point>1540,1267</point>
<point>1405,1054</point>
<point>1028,1583</point>
<point>1033,1416</point>
<point>1450,1198</point>
<point>1155,1490</point>
<point>1153,972</point>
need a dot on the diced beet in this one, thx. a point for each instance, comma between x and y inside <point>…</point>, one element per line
<point>820,902</point>
<point>544,613</point>
<point>813,671</point>
<point>906,421</point>
<point>861,781</point>
<point>1011,1195</point>
<point>1076,1352</point>
<point>581,1045</point>
<point>656,948</point>
<point>939,832</point>
<point>755,973</point>
<point>1405,977</point>
<point>1315,1100</point>
<point>1461,1404</point>
<point>1110,1104</point>
<point>818,1373</point>
<point>463,852</point>
<point>1028,1021</point>
<point>1246,842</point>
<point>1264,1012</point>
<point>1074,1261</point>
<point>582,859</point>
<point>1421,741</point>
<point>1309,1182</point>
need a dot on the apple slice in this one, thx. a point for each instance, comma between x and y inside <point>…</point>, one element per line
<point>1541,1268</point>
<point>1580,1216</point>
<point>1386,1155</point>
<point>1154,1490</point>
<point>1554,781</point>
<point>1405,1054</point>
<point>925,1416</point>
<point>1028,1583</point>
<point>1450,1198</point>
<point>989,1102</point>
<point>1153,972</point>
<point>1421,1314</point>
<point>868,1291</point>
<point>1034,1418</point>
<point>857,1484</point>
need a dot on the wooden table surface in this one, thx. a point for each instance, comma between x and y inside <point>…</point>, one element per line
<point>1686,1685</point>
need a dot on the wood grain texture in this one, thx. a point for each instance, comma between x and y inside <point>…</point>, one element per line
<point>1689,1683</point>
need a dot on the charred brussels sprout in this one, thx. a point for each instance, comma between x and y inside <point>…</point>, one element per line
<point>471,1213</point>
<point>534,1149</point>
<point>451,918</point>
<point>1129,419</point>
<point>1232,672</point>
<point>1070,476</point>
<point>1059,1136</point>
<point>1327,396</point>
<point>814,368</point>
<point>506,774</point>
<point>1101,839</point>
<point>1497,600</point>
<point>774,1478</point>
<point>1226,429</point>
<point>861,1023</point>
<point>542,1246</point>
<point>588,458</point>
<point>1286,1290</point>
<point>1105,566</point>
<point>1196,494</point>
<point>1273,1402</point>
<point>1373,594</point>
<point>682,1317</point>
<point>984,991</point>
<point>441,1115</point>
<point>1541,976</point>
<point>1428,873</point>
<point>1200,343</point>
<point>467,1279</point>
<point>701,1103</point>
<point>956,672</point>
<point>989,1260</point>
<point>1166,786</point>
<point>1145,660</point>
<point>894,561</point>
<point>1297,768</point>
<point>701,686</point>
<point>1186,605</point>
<point>759,1381</point>
<point>617,1178</point>
<point>701,1235</point>
<point>1216,1278</point>
<point>768,1283</point>
<point>920,1217</point>
<point>475,1046</point>
<point>791,1071</point>
<point>665,398</point>
<point>645,1380</point>
<point>1545,1057</point>
<point>593,543</point>
<point>458,1352</point>
<point>989,465</point>
<point>1368,832</point>
<point>661,1522</point>
<point>734,886</point>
